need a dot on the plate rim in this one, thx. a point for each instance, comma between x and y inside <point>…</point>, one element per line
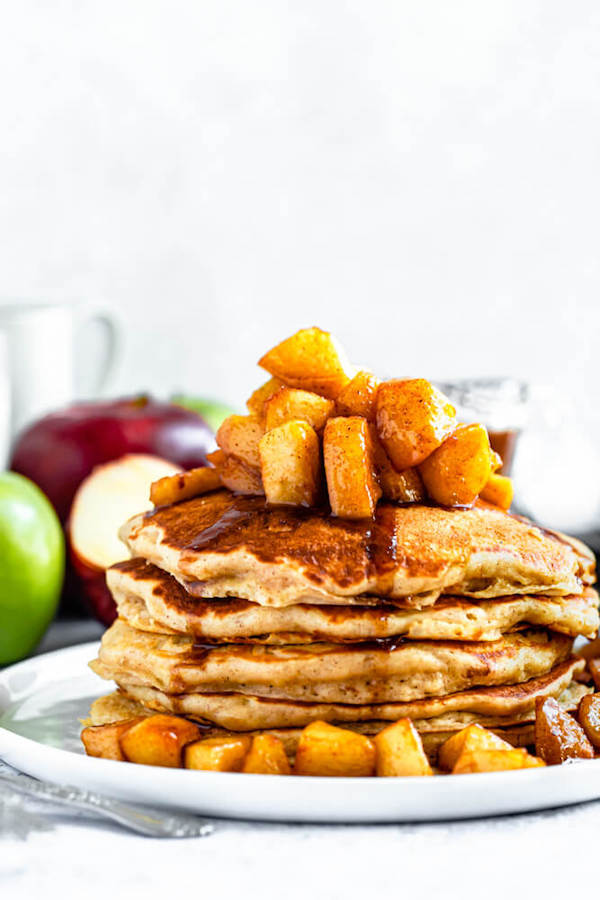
<point>430,789</point>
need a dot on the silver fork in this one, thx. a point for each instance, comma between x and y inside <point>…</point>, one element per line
<point>149,822</point>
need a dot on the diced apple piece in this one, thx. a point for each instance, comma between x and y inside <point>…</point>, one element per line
<point>184,486</point>
<point>290,404</point>
<point>557,735</point>
<point>216,458</point>
<point>158,740</point>
<point>311,360</point>
<point>324,749</point>
<point>219,754</point>
<point>588,713</point>
<point>349,456</point>
<point>266,756</point>
<point>469,739</point>
<point>400,751</point>
<point>498,490</point>
<point>239,477</point>
<point>350,468</point>
<point>495,761</point>
<point>256,401</point>
<point>103,740</point>
<point>357,398</point>
<point>457,471</point>
<point>239,436</point>
<point>401,487</point>
<point>413,418</point>
<point>291,464</point>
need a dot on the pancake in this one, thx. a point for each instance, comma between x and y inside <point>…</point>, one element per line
<point>369,672</point>
<point>150,599</point>
<point>508,704</point>
<point>225,545</point>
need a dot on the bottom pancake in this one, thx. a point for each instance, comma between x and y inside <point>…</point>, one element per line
<point>115,707</point>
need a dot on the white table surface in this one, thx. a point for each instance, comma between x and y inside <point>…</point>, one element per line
<point>47,853</point>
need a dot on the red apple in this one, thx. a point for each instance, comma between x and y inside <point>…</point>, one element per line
<point>60,450</point>
<point>110,495</point>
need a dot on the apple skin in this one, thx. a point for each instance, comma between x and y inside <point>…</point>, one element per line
<point>93,588</point>
<point>32,552</point>
<point>58,451</point>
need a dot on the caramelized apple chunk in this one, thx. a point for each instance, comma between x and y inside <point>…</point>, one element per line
<point>324,749</point>
<point>311,360</point>
<point>467,740</point>
<point>103,740</point>
<point>401,487</point>
<point>400,751</point>
<point>498,490</point>
<point>218,754</point>
<point>290,404</point>
<point>495,761</point>
<point>241,478</point>
<point>558,736</point>
<point>357,398</point>
<point>413,418</point>
<point>266,756</point>
<point>184,486</point>
<point>256,401</point>
<point>291,464</point>
<point>457,471</point>
<point>350,467</point>
<point>158,740</point>
<point>588,713</point>
<point>239,436</point>
<point>594,670</point>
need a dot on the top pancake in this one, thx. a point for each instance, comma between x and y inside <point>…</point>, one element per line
<point>223,545</point>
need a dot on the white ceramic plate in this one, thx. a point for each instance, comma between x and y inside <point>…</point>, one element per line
<point>42,699</point>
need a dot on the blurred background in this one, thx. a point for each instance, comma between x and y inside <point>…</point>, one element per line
<point>420,179</point>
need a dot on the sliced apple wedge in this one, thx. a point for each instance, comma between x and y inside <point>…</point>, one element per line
<point>110,495</point>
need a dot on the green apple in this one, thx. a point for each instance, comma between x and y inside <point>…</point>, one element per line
<point>212,411</point>
<point>32,562</point>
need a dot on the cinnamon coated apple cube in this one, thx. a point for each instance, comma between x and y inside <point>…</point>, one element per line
<point>401,487</point>
<point>184,486</point>
<point>239,477</point>
<point>498,490</point>
<point>324,749</point>
<point>350,467</point>
<point>290,458</point>
<point>400,751</point>
<point>311,360</point>
<point>588,713</point>
<point>291,404</point>
<point>218,754</point>
<point>413,418</point>
<point>469,739</point>
<point>239,436</point>
<point>357,398</point>
<point>456,473</point>
<point>558,736</point>
<point>495,761</point>
<point>256,401</point>
<point>266,756</point>
<point>103,740</point>
<point>158,740</point>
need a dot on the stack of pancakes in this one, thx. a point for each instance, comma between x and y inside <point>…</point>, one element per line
<point>251,618</point>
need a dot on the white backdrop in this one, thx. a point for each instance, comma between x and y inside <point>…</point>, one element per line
<point>421,178</point>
